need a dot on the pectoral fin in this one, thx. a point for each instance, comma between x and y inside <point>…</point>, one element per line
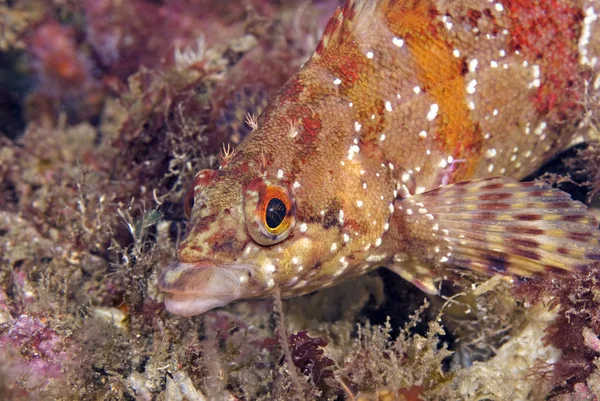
<point>499,226</point>
<point>418,274</point>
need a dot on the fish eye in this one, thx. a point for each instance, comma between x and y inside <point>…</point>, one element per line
<point>270,211</point>
<point>275,214</point>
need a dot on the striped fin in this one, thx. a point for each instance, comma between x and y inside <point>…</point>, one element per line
<point>500,226</point>
<point>346,20</point>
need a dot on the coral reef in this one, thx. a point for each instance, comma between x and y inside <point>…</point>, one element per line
<point>107,110</point>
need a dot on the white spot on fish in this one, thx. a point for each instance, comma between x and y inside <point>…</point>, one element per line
<point>447,22</point>
<point>471,86</point>
<point>473,65</point>
<point>540,128</point>
<point>433,111</point>
<point>584,38</point>
<point>354,149</point>
<point>536,76</point>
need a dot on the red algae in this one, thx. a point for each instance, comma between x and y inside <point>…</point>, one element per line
<point>57,61</point>
<point>34,354</point>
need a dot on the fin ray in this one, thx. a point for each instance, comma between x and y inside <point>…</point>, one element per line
<point>416,273</point>
<point>502,226</point>
<point>347,19</point>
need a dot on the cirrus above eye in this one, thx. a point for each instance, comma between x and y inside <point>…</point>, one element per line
<point>202,179</point>
<point>270,211</point>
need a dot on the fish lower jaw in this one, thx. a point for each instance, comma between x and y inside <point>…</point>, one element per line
<point>192,289</point>
<point>195,304</point>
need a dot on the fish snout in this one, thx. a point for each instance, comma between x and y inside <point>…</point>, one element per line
<point>216,237</point>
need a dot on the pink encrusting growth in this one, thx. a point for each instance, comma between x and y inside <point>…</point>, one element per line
<point>400,143</point>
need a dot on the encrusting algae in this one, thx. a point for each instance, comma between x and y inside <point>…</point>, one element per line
<point>109,109</point>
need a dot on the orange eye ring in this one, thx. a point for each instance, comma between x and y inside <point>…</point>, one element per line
<point>201,181</point>
<point>270,211</point>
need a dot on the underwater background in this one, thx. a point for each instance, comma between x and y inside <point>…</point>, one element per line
<point>108,108</point>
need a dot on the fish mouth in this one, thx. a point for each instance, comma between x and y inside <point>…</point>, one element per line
<point>194,288</point>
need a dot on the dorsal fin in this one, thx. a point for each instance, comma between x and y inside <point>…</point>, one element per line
<point>346,19</point>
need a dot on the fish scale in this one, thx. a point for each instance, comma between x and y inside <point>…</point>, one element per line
<point>399,144</point>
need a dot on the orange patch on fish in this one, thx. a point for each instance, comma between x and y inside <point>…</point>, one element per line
<point>442,76</point>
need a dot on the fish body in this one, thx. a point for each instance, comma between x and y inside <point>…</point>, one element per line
<point>383,148</point>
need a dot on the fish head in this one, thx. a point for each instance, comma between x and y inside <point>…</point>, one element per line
<point>239,236</point>
<point>251,231</point>
<point>210,270</point>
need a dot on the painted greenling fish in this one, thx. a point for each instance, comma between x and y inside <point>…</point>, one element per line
<point>400,143</point>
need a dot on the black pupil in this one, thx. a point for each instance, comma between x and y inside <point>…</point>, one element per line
<point>275,213</point>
